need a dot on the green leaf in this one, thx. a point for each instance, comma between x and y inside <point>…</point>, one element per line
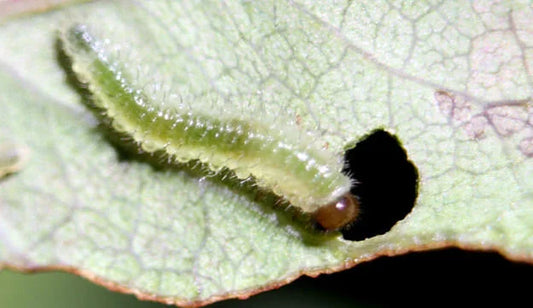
<point>452,81</point>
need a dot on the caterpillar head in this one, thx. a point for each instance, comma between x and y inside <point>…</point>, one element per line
<point>337,214</point>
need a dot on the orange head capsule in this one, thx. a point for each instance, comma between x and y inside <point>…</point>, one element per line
<point>337,214</point>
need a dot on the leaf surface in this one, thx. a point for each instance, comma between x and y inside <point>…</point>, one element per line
<point>452,81</point>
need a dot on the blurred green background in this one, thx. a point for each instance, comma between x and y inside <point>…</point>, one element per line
<point>445,276</point>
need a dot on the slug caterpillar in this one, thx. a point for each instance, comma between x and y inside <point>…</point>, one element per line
<point>282,160</point>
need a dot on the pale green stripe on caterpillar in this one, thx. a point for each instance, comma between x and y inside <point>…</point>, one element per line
<point>306,175</point>
<point>13,157</point>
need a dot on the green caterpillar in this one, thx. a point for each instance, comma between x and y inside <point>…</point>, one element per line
<point>281,159</point>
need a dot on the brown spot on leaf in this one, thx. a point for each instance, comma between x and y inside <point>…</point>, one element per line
<point>475,128</point>
<point>507,119</point>
<point>455,107</point>
<point>458,110</point>
<point>526,146</point>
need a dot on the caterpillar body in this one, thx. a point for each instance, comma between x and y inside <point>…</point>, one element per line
<point>285,162</point>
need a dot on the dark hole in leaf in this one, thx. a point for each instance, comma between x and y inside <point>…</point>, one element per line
<point>387,184</point>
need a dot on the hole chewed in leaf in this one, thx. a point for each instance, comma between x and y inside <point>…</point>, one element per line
<point>386,187</point>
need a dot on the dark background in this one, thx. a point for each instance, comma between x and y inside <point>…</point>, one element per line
<point>442,277</point>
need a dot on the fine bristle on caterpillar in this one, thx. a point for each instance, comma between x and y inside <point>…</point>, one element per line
<point>288,164</point>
